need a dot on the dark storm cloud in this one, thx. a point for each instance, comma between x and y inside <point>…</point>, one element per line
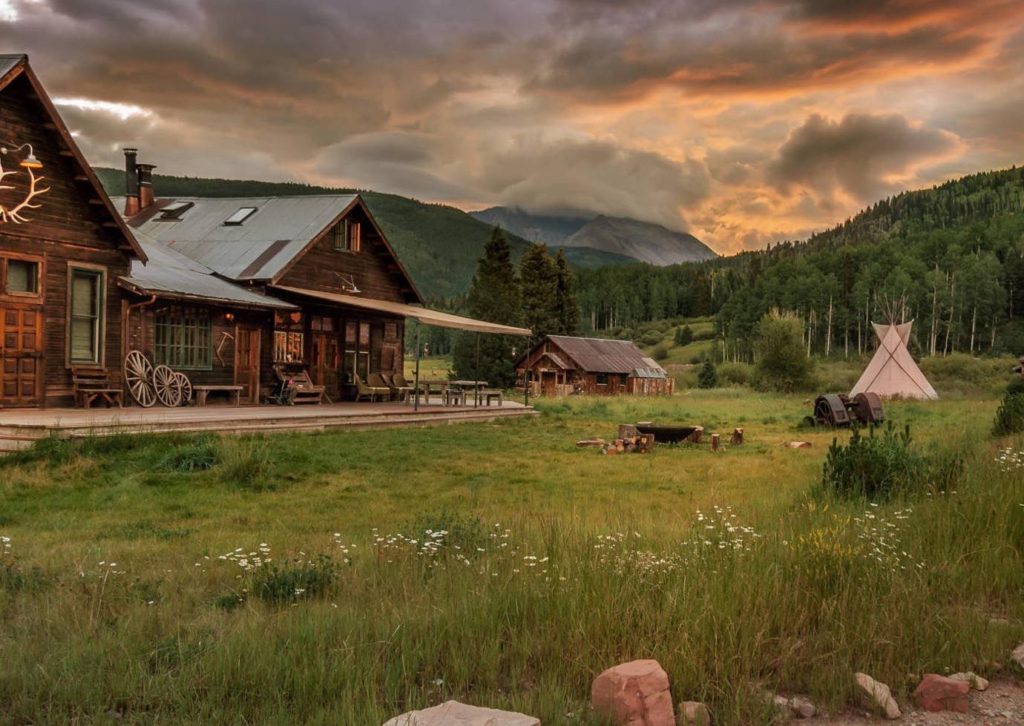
<point>572,176</point>
<point>855,154</point>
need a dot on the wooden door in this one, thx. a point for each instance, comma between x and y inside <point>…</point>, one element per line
<point>21,356</point>
<point>247,363</point>
<point>549,383</point>
<point>326,361</point>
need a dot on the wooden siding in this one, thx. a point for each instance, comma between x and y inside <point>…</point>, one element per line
<point>548,378</point>
<point>373,269</point>
<point>67,229</point>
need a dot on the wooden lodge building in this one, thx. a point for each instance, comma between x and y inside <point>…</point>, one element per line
<point>561,365</point>
<point>222,290</point>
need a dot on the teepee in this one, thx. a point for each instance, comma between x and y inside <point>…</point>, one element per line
<point>892,372</point>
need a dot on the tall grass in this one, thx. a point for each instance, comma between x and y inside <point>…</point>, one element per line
<point>500,566</point>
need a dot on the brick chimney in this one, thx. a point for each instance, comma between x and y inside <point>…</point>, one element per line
<point>131,177</point>
<point>145,176</point>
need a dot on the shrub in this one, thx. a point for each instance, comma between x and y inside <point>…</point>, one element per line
<point>871,466</point>
<point>660,351</point>
<point>880,467</point>
<point>707,377</point>
<point>1010,415</point>
<point>781,360</point>
<point>684,335</point>
<point>652,337</point>
<point>735,374</point>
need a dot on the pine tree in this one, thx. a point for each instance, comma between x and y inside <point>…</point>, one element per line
<point>566,305</point>
<point>538,277</point>
<point>707,376</point>
<point>494,296</point>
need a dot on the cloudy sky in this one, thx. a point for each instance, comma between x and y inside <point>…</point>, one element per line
<point>742,121</point>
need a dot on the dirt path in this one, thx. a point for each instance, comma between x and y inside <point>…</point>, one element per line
<point>1001,705</point>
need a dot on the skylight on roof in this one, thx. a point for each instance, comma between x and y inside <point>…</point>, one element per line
<point>240,216</point>
<point>174,210</point>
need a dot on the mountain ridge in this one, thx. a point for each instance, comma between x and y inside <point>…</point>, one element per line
<point>641,241</point>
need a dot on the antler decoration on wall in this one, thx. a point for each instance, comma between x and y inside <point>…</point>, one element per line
<point>30,163</point>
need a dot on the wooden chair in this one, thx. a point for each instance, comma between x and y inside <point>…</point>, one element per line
<point>300,387</point>
<point>377,380</point>
<point>403,385</point>
<point>369,392</point>
<point>400,390</point>
<point>92,384</point>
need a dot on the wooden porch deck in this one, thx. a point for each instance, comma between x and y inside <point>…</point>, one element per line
<point>19,428</point>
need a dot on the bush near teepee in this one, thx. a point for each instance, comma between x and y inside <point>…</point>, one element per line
<point>1010,415</point>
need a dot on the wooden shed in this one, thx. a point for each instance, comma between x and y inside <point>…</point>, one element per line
<point>561,365</point>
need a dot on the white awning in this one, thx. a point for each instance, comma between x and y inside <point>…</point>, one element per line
<point>424,315</point>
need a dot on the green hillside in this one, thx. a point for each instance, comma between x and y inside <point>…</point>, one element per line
<point>951,258</point>
<point>438,244</point>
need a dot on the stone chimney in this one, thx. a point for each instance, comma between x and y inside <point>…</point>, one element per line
<point>131,176</point>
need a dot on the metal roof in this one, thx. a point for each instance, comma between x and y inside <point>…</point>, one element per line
<point>9,60</point>
<point>172,274</point>
<point>424,315</point>
<point>260,247</point>
<point>598,355</point>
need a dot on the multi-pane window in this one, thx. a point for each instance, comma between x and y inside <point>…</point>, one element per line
<point>347,236</point>
<point>86,316</point>
<point>183,339</point>
<point>21,277</point>
<point>289,340</point>
<point>357,349</point>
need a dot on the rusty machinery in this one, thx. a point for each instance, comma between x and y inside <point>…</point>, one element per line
<point>837,409</point>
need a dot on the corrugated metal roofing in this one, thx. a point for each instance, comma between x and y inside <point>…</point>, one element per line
<point>598,355</point>
<point>172,273</point>
<point>8,61</point>
<point>260,247</point>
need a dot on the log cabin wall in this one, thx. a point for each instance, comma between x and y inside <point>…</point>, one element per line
<point>67,229</point>
<point>372,267</point>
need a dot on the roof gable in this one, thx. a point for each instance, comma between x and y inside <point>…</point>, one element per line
<point>13,67</point>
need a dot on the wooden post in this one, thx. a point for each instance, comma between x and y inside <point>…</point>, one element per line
<point>737,437</point>
<point>715,442</point>
<point>416,403</point>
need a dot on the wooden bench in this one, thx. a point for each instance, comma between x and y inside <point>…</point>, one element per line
<point>202,392</point>
<point>454,396</point>
<point>488,394</point>
<point>301,388</point>
<point>92,384</point>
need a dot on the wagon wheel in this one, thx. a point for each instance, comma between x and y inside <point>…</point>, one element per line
<point>167,392</point>
<point>138,376</point>
<point>184,386</point>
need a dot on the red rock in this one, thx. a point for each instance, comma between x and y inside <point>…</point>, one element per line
<point>938,693</point>
<point>634,694</point>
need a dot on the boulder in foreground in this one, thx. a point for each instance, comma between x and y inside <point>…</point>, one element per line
<point>878,695</point>
<point>453,713</point>
<point>634,694</point>
<point>938,693</point>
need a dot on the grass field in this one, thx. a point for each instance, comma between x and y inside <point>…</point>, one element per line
<point>181,579</point>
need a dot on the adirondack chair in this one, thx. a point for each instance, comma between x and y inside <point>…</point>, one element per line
<point>371,393</point>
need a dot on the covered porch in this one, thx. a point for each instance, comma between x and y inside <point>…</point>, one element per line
<point>20,428</point>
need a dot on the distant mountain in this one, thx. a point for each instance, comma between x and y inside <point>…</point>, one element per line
<point>549,229</point>
<point>640,240</point>
<point>629,238</point>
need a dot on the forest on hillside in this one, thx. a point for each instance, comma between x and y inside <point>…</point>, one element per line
<point>951,258</point>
